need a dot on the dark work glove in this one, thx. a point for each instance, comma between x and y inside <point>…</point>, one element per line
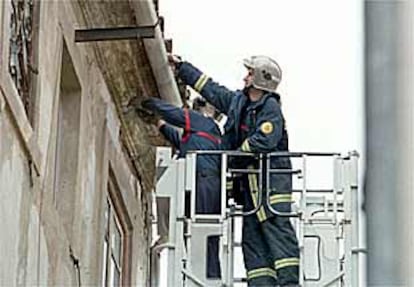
<point>241,162</point>
<point>141,106</point>
<point>174,60</point>
<point>147,104</point>
<point>140,102</point>
<point>147,116</point>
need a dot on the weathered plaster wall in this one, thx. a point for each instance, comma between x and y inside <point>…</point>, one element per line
<point>34,244</point>
<point>14,181</point>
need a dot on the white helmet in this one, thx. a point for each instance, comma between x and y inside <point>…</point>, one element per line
<point>266,72</point>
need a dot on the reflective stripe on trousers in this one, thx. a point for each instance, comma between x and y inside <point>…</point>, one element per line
<point>273,199</point>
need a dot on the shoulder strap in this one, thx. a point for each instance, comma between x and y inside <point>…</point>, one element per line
<point>209,137</point>
<point>187,131</point>
<point>187,127</point>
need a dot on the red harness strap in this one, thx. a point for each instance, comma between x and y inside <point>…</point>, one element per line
<point>187,127</point>
<point>187,131</point>
<point>244,127</point>
<point>209,137</point>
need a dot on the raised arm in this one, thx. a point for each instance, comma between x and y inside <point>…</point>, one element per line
<point>177,116</point>
<point>217,95</point>
<point>171,114</point>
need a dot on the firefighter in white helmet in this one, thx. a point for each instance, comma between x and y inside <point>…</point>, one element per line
<point>255,124</point>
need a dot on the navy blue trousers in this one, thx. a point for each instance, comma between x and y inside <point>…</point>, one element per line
<point>208,201</point>
<point>270,251</point>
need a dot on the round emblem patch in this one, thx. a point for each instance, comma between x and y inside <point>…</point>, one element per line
<point>266,128</point>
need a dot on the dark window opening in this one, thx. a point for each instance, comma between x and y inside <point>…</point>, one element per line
<point>24,26</point>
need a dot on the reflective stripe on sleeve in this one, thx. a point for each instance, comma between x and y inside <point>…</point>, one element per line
<point>201,82</point>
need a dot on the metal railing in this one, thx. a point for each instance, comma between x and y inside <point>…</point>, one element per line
<point>335,209</point>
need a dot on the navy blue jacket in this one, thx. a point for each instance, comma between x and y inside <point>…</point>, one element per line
<point>257,127</point>
<point>191,140</point>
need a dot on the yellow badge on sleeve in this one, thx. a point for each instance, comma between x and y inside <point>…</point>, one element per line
<point>266,128</point>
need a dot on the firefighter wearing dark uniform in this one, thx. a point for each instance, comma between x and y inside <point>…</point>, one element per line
<point>255,124</point>
<point>200,133</point>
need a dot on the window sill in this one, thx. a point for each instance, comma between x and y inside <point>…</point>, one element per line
<point>15,105</point>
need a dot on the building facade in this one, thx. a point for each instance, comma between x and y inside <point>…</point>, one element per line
<point>76,173</point>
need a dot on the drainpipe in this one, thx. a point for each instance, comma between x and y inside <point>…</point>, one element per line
<point>156,51</point>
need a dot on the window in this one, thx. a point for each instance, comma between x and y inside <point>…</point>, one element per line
<point>67,142</point>
<point>24,24</point>
<point>114,271</point>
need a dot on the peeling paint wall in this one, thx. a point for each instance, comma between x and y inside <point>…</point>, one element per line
<point>14,182</point>
<point>39,243</point>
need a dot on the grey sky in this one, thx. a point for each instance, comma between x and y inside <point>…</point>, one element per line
<point>317,43</point>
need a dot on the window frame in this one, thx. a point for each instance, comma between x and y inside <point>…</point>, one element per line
<point>8,91</point>
<point>121,222</point>
<point>27,97</point>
